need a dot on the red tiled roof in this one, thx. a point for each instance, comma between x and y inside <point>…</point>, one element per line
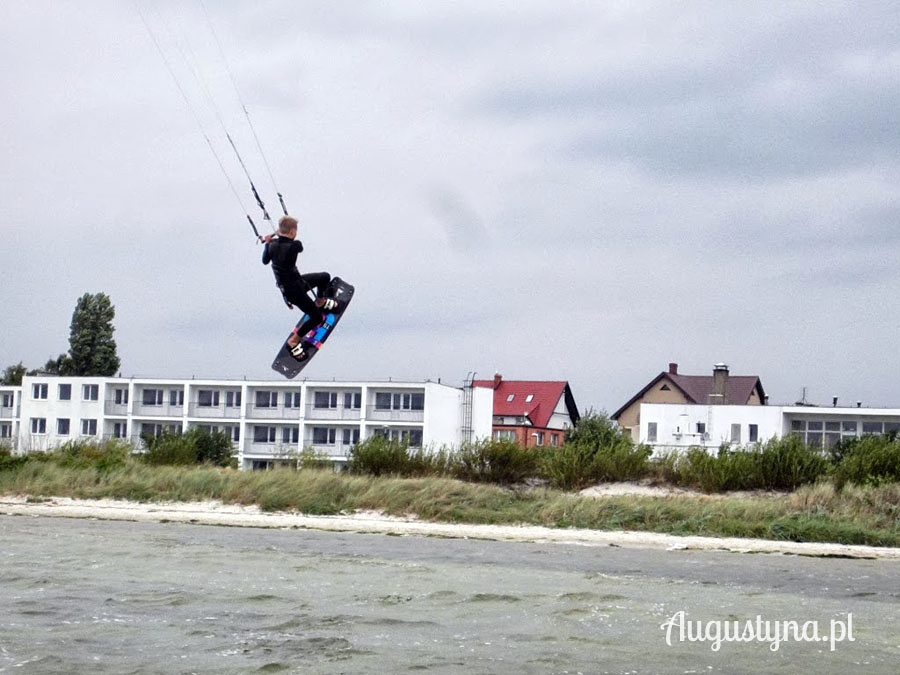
<point>546,396</point>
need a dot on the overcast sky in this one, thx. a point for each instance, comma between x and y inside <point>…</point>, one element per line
<point>563,190</point>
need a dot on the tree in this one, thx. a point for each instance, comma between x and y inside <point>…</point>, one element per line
<point>92,349</point>
<point>13,375</point>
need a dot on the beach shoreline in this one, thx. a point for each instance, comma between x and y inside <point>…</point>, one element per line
<point>216,513</point>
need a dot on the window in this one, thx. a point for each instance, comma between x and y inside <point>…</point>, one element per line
<point>234,433</point>
<point>8,400</point>
<point>39,425</point>
<point>353,401</point>
<point>120,430</point>
<point>90,392</point>
<point>554,440</point>
<point>5,430</point>
<point>510,398</point>
<point>326,399</point>
<point>232,399</point>
<point>651,432</point>
<point>735,433</point>
<point>385,401</point>
<point>538,438</point>
<point>324,436</point>
<point>208,398</point>
<point>415,438</point>
<point>121,396</point>
<point>292,399</point>
<point>88,427</point>
<point>665,387</point>
<point>382,401</point>
<point>505,435</point>
<point>350,436</point>
<point>874,428</point>
<point>753,433</point>
<point>266,399</point>
<point>176,397</point>
<point>701,427</point>
<point>151,429</point>
<point>65,392</point>
<point>290,435</point>
<point>152,397</point>
<point>62,426</point>
<point>38,391</point>
<point>263,434</point>
<point>849,428</point>
<point>529,398</point>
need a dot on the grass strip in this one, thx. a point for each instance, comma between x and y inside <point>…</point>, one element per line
<point>818,513</point>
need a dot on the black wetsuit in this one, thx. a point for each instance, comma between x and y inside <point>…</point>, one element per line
<point>282,253</point>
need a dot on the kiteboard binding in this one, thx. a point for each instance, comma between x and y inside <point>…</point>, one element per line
<point>298,350</point>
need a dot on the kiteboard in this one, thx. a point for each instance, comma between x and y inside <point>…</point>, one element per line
<point>298,351</point>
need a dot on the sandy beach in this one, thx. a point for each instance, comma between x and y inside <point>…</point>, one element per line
<point>233,515</point>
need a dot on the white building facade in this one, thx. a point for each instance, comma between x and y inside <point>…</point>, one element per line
<point>10,397</point>
<point>268,422</point>
<point>672,426</point>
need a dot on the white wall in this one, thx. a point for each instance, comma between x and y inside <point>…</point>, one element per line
<point>676,424</point>
<point>440,423</point>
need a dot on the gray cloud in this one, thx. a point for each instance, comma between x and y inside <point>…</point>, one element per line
<point>555,190</point>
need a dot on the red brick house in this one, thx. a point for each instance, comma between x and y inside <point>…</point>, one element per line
<point>531,413</point>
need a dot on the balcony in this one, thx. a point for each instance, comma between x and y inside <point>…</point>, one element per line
<point>113,408</point>
<point>272,450</point>
<point>161,410</point>
<point>213,412</point>
<point>333,450</point>
<point>338,413</point>
<point>390,415</point>
<point>6,413</point>
<point>273,413</point>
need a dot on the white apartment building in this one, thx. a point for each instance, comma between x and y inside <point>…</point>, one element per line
<point>674,426</point>
<point>268,422</point>
<point>9,412</point>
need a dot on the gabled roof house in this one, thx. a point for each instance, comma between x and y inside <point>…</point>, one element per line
<point>532,413</point>
<point>720,388</point>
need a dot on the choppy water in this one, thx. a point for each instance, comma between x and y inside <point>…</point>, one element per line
<point>81,596</point>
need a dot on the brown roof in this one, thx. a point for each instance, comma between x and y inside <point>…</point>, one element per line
<point>697,388</point>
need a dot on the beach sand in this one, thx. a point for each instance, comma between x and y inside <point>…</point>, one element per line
<point>234,515</point>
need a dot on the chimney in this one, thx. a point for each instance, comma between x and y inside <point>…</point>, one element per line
<point>673,369</point>
<point>498,378</point>
<point>719,395</point>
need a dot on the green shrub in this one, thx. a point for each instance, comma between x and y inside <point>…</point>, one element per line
<point>8,460</point>
<point>495,461</point>
<point>378,456</point>
<point>196,446</point>
<point>312,459</point>
<point>787,463</point>
<point>595,450</point>
<point>82,454</point>
<point>869,460</point>
<point>778,464</point>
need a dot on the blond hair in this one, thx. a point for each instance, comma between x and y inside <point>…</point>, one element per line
<point>286,224</point>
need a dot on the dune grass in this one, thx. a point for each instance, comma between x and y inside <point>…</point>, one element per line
<point>815,513</point>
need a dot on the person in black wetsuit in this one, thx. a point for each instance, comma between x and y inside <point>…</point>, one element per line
<point>281,249</point>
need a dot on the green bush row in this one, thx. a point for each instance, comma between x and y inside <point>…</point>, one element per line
<point>594,451</point>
